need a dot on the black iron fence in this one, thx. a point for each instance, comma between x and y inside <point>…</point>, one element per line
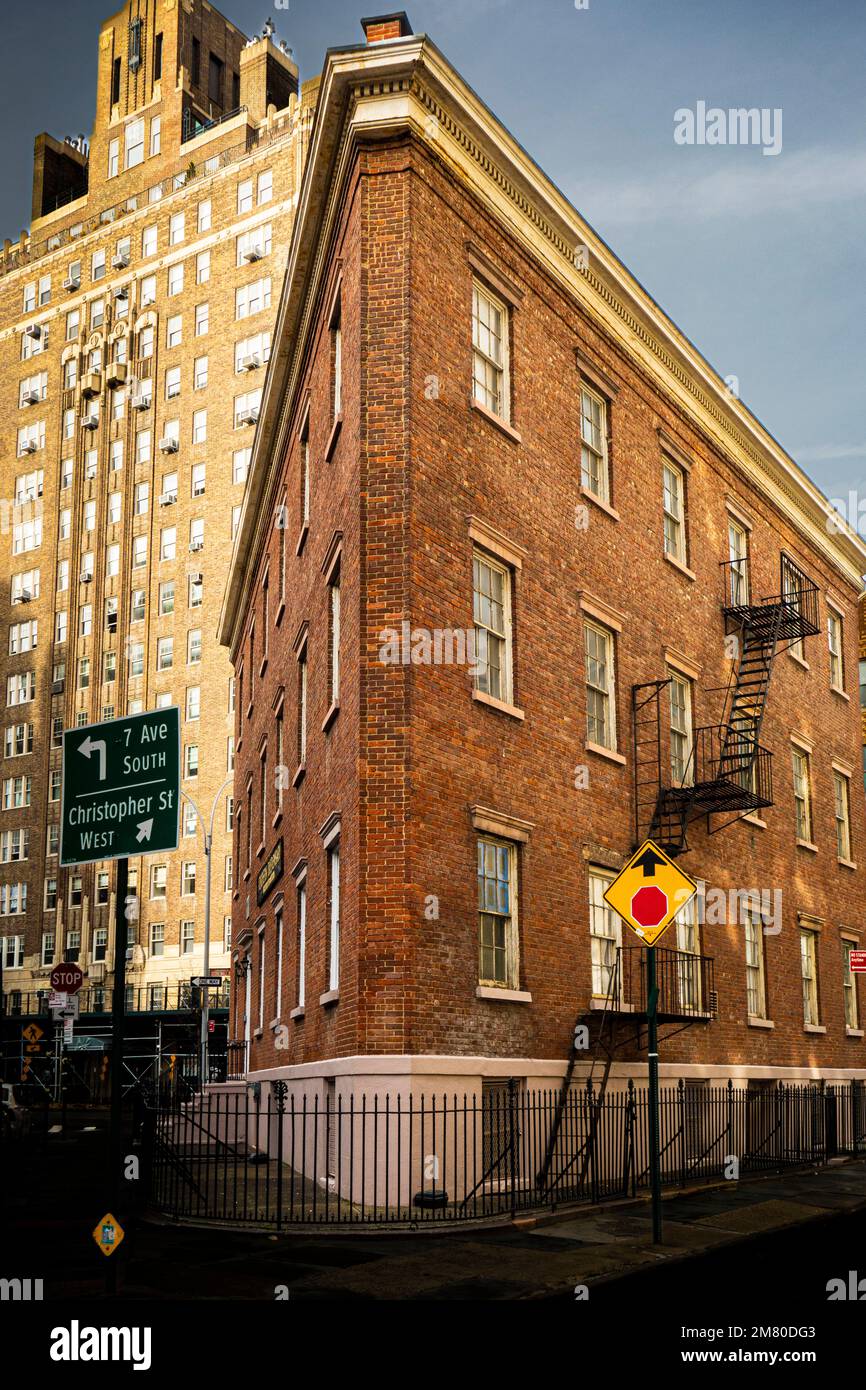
<point>138,999</point>
<point>259,1156</point>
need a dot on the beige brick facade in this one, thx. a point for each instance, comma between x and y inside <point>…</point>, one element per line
<point>154,261</point>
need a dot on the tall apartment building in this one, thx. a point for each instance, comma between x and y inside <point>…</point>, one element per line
<point>135,328</point>
<point>546,587</point>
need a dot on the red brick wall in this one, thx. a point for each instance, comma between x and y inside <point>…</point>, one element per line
<point>411,751</point>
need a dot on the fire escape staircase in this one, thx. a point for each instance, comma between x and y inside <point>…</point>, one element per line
<point>727,773</point>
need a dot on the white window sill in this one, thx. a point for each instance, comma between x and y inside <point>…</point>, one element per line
<point>600,502</point>
<point>330,716</point>
<point>496,420</point>
<point>807,844</point>
<point>258,1032</point>
<point>756,820</point>
<point>755,1022</point>
<point>800,660</point>
<point>605,753</point>
<point>846,863</point>
<point>678,565</point>
<point>814,1028</point>
<point>843,694</point>
<point>501,705</point>
<point>853,1032</point>
<point>298,1012</point>
<point>596,1004</point>
<point>503,996</point>
<point>331,996</point>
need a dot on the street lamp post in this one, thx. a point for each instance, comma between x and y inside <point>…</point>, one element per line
<point>208,846</point>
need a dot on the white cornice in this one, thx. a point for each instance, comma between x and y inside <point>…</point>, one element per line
<point>408,85</point>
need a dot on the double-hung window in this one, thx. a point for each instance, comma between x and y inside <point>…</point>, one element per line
<point>497,913</point>
<point>594,470</point>
<point>490,351</point>
<point>491,603</point>
<point>600,686</point>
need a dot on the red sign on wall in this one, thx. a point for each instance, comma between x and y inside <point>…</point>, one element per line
<point>858,961</point>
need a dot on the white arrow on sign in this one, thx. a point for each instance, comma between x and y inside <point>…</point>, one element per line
<point>91,745</point>
<point>144,829</point>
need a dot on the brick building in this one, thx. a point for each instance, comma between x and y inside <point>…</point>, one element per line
<point>517,581</point>
<point>135,322</point>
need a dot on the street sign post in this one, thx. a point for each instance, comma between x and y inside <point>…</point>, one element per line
<point>647,894</point>
<point>206,981</point>
<point>121,787</point>
<point>120,796</point>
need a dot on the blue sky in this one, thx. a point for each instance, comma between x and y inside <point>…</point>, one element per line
<point>761,261</point>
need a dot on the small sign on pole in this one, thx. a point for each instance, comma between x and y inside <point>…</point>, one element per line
<point>857,961</point>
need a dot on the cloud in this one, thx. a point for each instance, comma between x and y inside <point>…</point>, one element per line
<point>828,453</point>
<point>757,188</point>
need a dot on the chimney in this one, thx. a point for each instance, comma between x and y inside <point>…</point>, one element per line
<point>386,26</point>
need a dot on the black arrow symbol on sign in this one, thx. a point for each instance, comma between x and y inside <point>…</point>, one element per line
<point>648,862</point>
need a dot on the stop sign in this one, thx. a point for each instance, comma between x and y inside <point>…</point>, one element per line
<point>649,906</point>
<point>67,977</point>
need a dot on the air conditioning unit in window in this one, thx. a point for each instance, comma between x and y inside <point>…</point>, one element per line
<point>33,330</point>
<point>195,579</point>
<point>196,545</point>
<point>72,282</point>
<point>85,577</point>
<point>250,362</point>
<point>30,397</point>
<point>120,262</point>
<point>91,383</point>
<point>249,417</point>
<point>168,444</point>
<point>96,973</point>
<point>168,499</point>
<point>24,597</point>
<point>29,446</point>
<point>90,422</point>
<point>253,253</point>
<point>140,401</point>
<point>58,687</point>
<point>115,373</point>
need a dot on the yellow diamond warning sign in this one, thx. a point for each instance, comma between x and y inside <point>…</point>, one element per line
<point>108,1233</point>
<point>649,892</point>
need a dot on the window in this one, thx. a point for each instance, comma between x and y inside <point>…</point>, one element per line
<point>196,534</point>
<point>18,740</point>
<point>157,939</point>
<point>97,272</point>
<point>54,784</point>
<point>246,410</point>
<point>333,638</point>
<point>168,543</point>
<point>251,299</point>
<point>73,945</point>
<point>109,663</point>
<point>190,760</point>
<point>809,975</point>
<point>802,795</point>
<point>136,659</point>
<point>490,386</point>
<point>85,620</point>
<point>155,136</point>
<point>849,986</point>
<point>174,331</point>
<point>841,803</point>
<point>497,915</point>
<point>76,890</point>
<point>176,228</point>
<point>13,952</point>
<point>199,436</point>
<point>193,702</point>
<point>49,938</point>
<point>84,673</point>
<point>113,158</point>
<point>148,290</point>
<point>134,143</point>
<point>139,552</point>
<point>252,245</point>
<point>491,583</point>
<point>13,899</point>
<point>187,938</point>
<point>265,186</point>
<point>14,846</point>
<point>673,488</point>
<point>115,508</point>
<point>240,467</point>
<point>836,646</point>
<point>215,79</point>
<point>594,471</point>
<point>195,592</point>
<point>605,937</point>
<point>202,319</point>
<point>166,597</point>
<point>157,58</point>
<point>334,903</point>
<point>100,943</point>
<point>165,654</point>
<point>200,373</point>
<point>23,637</point>
<point>756,991</point>
<point>188,878</point>
<point>245,195</point>
<point>195,70</point>
<point>204,216</point>
<point>302,706</point>
<point>158,880</point>
<point>600,686</point>
<point>172,383</point>
<point>17,792</point>
<point>21,688</point>
<point>682,771</point>
<point>738,571</point>
<point>175,278</point>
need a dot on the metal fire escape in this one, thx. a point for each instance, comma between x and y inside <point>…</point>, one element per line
<point>728,773</point>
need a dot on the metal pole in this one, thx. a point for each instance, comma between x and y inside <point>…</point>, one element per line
<point>653,1060</point>
<point>115,1142</point>
<point>205,1010</point>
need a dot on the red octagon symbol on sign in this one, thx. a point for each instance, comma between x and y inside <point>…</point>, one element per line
<point>649,906</point>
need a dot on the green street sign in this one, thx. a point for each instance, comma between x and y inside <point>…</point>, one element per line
<point>121,787</point>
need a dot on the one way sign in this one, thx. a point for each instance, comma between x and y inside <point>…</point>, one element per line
<point>649,892</point>
<point>121,787</point>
